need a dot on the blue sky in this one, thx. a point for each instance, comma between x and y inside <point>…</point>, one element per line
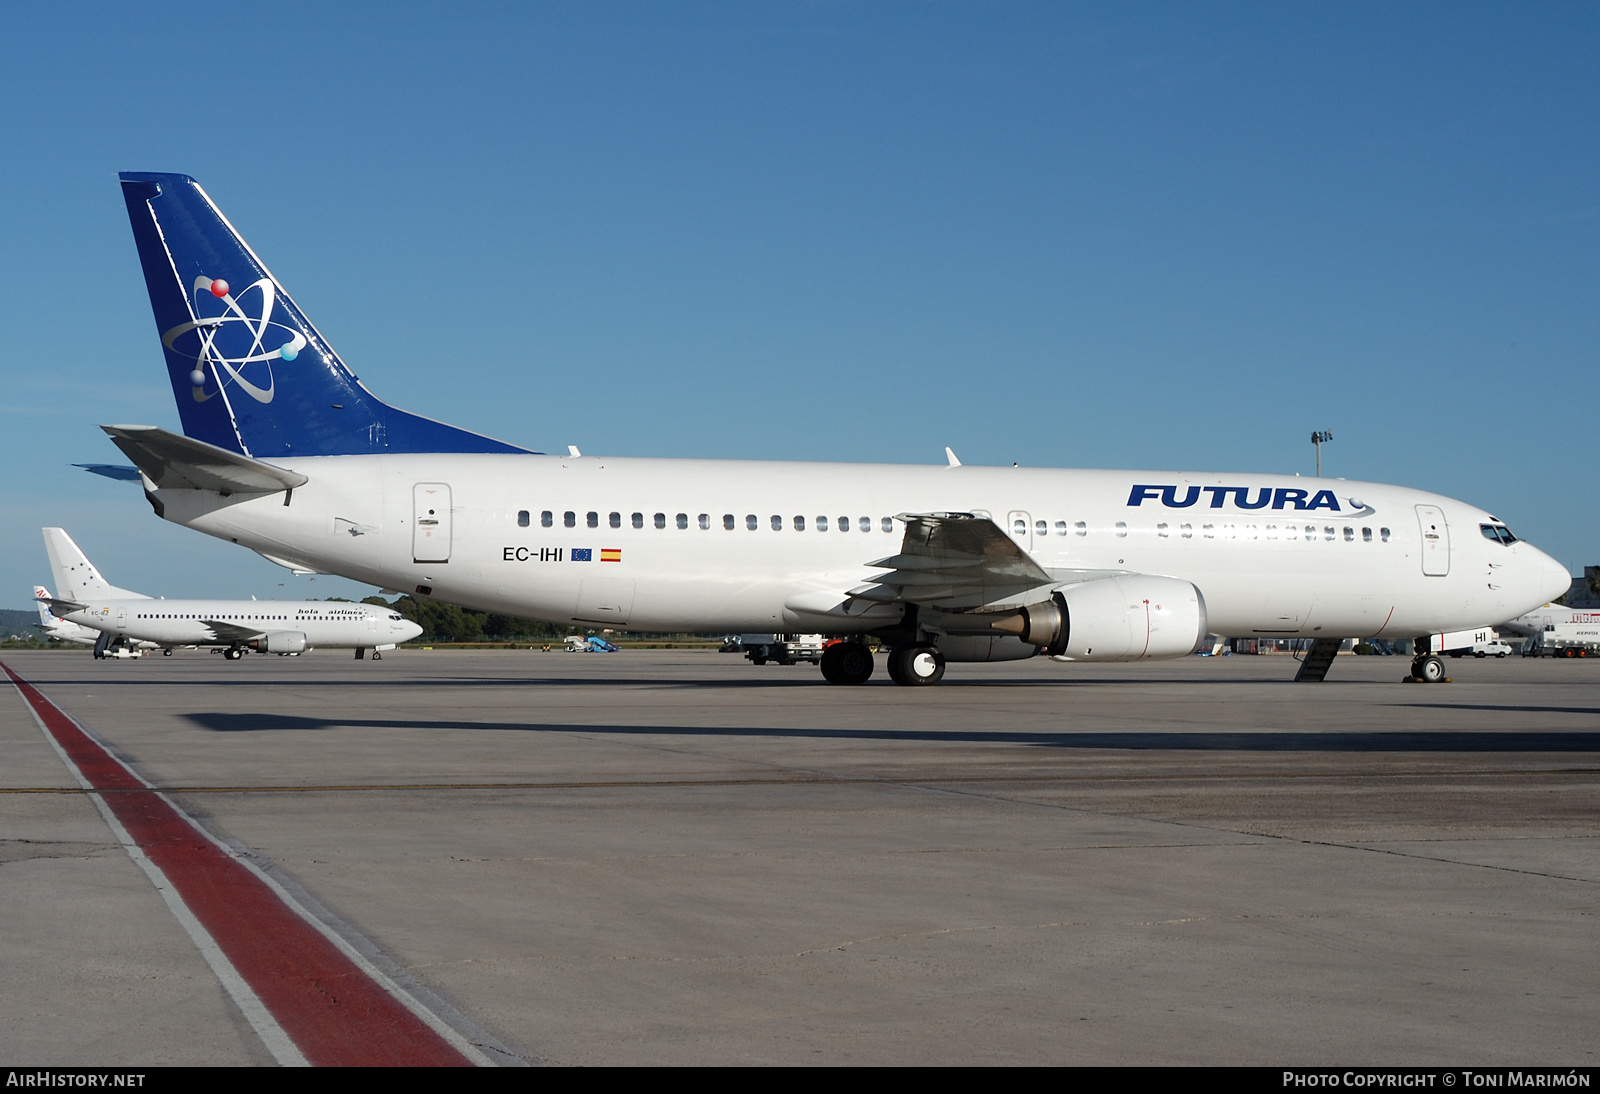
<point>1121,235</point>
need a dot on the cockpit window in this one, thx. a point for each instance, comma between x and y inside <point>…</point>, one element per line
<point>1497,532</point>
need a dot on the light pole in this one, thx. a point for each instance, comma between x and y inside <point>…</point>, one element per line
<point>1317,438</point>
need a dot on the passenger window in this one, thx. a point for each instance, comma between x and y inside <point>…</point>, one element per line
<point>1349,535</point>
<point>1327,532</point>
<point>844,524</point>
<point>594,519</point>
<point>569,519</point>
<point>522,519</point>
<point>799,524</point>
<point>1122,530</point>
<point>638,520</point>
<point>777,523</point>
<point>1019,527</point>
<point>616,520</point>
<point>1209,531</point>
<point>1311,532</point>
<point>1081,528</point>
<point>1187,531</point>
<point>705,521</point>
<point>1061,527</point>
<point>683,521</point>
<point>1366,535</point>
<point>750,521</point>
<point>1250,531</point>
<point>1384,532</point>
<point>1161,530</point>
<point>865,524</point>
<point>887,524</point>
<point>547,519</point>
<point>1041,528</point>
<point>661,520</point>
<point>728,521</point>
<point>822,524</point>
<point>1272,531</point>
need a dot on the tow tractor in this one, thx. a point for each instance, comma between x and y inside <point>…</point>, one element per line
<point>782,649</point>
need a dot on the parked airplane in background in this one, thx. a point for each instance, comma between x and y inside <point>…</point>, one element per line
<point>286,452</point>
<point>1559,631</point>
<point>124,619</point>
<point>63,631</point>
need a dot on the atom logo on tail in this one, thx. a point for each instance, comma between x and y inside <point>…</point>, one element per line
<point>234,344</point>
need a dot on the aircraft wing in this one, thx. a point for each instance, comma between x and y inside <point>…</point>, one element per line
<point>953,560</point>
<point>232,632</point>
<point>172,461</point>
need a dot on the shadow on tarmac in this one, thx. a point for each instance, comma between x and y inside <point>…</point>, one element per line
<point>1266,741</point>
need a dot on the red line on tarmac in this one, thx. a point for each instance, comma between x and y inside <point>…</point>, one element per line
<point>334,1012</point>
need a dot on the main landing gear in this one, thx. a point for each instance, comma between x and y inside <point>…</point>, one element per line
<point>233,653</point>
<point>916,666</point>
<point>847,663</point>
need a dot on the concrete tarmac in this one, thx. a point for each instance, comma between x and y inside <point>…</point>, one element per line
<point>683,858</point>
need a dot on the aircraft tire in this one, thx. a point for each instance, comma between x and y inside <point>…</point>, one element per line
<point>1429,670</point>
<point>847,663</point>
<point>916,666</point>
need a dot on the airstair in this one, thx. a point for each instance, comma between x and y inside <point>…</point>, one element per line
<point>1319,660</point>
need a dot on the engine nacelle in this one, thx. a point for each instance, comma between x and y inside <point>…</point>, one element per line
<point>1131,618</point>
<point>286,642</point>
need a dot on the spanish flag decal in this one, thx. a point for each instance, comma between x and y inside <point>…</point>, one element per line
<point>611,554</point>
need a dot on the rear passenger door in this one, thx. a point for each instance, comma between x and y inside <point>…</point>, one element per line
<point>430,522</point>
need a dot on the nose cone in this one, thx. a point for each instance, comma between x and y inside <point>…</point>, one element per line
<point>408,630</point>
<point>1554,579</point>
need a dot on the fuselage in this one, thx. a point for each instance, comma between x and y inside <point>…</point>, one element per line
<point>701,545</point>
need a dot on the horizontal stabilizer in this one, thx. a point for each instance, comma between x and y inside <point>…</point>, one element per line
<point>111,471</point>
<point>174,462</point>
<point>62,607</point>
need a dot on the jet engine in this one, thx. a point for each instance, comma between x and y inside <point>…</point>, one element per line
<point>1131,618</point>
<point>286,642</point>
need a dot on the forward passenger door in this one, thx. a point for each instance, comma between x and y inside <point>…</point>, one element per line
<point>1435,541</point>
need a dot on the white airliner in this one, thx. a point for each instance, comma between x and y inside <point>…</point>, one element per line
<point>122,619</point>
<point>286,452</point>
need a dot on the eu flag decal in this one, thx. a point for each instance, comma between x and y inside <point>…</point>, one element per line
<point>611,554</point>
<point>582,554</point>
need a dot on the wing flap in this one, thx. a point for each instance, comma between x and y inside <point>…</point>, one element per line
<point>232,632</point>
<point>952,560</point>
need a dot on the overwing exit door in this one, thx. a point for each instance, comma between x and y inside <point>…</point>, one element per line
<point>430,522</point>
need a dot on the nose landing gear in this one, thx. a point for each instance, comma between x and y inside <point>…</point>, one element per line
<point>1429,669</point>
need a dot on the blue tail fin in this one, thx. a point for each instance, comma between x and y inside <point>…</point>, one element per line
<point>250,372</point>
